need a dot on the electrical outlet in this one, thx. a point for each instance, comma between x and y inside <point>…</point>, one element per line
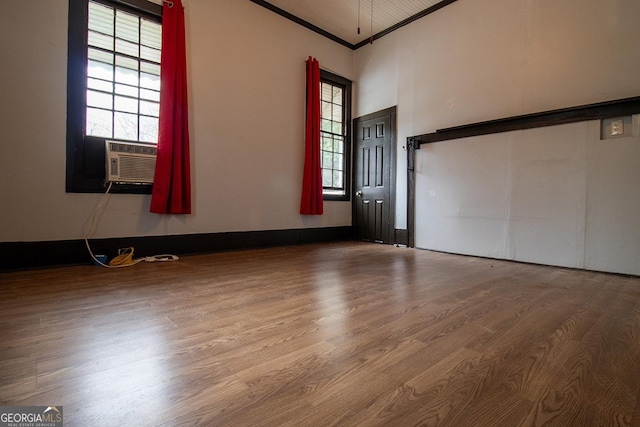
<point>617,127</point>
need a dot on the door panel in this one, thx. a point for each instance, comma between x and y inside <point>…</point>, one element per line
<point>374,177</point>
<point>365,235</point>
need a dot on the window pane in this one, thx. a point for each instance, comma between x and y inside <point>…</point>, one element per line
<point>125,75</point>
<point>151,95</point>
<point>337,95</point>
<point>337,127</point>
<point>150,81</point>
<point>337,179</point>
<point>150,68</point>
<point>101,18</point>
<point>124,62</point>
<point>327,160</point>
<point>327,143</point>
<point>100,70</point>
<point>99,99</point>
<point>127,27</point>
<point>127,48</point>
<point>150,34</point>
<point>150,54</point>
<point>99,122</point>
<point>325,125</point>
<point>337,113</point>
<point>100,85</point>
<point>150,108</point>
<point>127,90</point>
<point>100,40</point>
<point>130,105</point>
<point>326,92</point>
<point>101,56</point>
<point>148,129</point>
<point>337,162</point>
<point>327,178</point>
<point>326,110</point>
<point>125,126</point>
<point>338,145</point>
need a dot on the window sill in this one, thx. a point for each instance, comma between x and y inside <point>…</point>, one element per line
<point>336,197</point>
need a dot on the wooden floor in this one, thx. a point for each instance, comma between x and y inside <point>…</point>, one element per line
<point>338,334</point>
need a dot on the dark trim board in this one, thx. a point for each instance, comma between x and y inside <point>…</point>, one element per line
<point>407,21</point>
<point>143,6</point>
<point>601,110</point>
<point>26,255</point>
<point>598,111</point>
<point>343,42</point>
<point>411,192</point>
<point>302,22</point>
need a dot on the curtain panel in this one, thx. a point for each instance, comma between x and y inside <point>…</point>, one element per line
<point>312,202</point>
<point>171,192</point>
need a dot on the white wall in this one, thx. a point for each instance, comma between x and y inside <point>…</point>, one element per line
<point>555,195</point>
<point>246,73</point>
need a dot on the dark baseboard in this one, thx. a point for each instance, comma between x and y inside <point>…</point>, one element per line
<point>31,255</point>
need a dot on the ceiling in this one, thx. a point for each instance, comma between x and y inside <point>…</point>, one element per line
<point>341,18</point>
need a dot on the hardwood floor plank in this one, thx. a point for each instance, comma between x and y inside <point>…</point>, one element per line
<point>317,335</point>
<point>571,387</point>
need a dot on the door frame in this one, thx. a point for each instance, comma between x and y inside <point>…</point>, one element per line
<point>391,111</point>
<point>411,147</point>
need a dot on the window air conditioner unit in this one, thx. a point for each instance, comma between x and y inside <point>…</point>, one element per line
<point>130,163</point>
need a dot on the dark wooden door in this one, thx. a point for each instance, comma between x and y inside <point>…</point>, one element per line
<point>374,177</point>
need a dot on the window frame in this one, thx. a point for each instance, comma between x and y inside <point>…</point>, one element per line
<point>86,155</point>
<point>345,84</point>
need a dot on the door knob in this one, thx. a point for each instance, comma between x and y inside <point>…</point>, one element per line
<point>359,193</point>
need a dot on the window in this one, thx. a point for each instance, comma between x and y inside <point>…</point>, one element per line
<point>123,74</point>
<point>335,135</point>
<point>113,84</point>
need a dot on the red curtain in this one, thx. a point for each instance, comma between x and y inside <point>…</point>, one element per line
<point>311,203</point>
<point>171,192</point>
